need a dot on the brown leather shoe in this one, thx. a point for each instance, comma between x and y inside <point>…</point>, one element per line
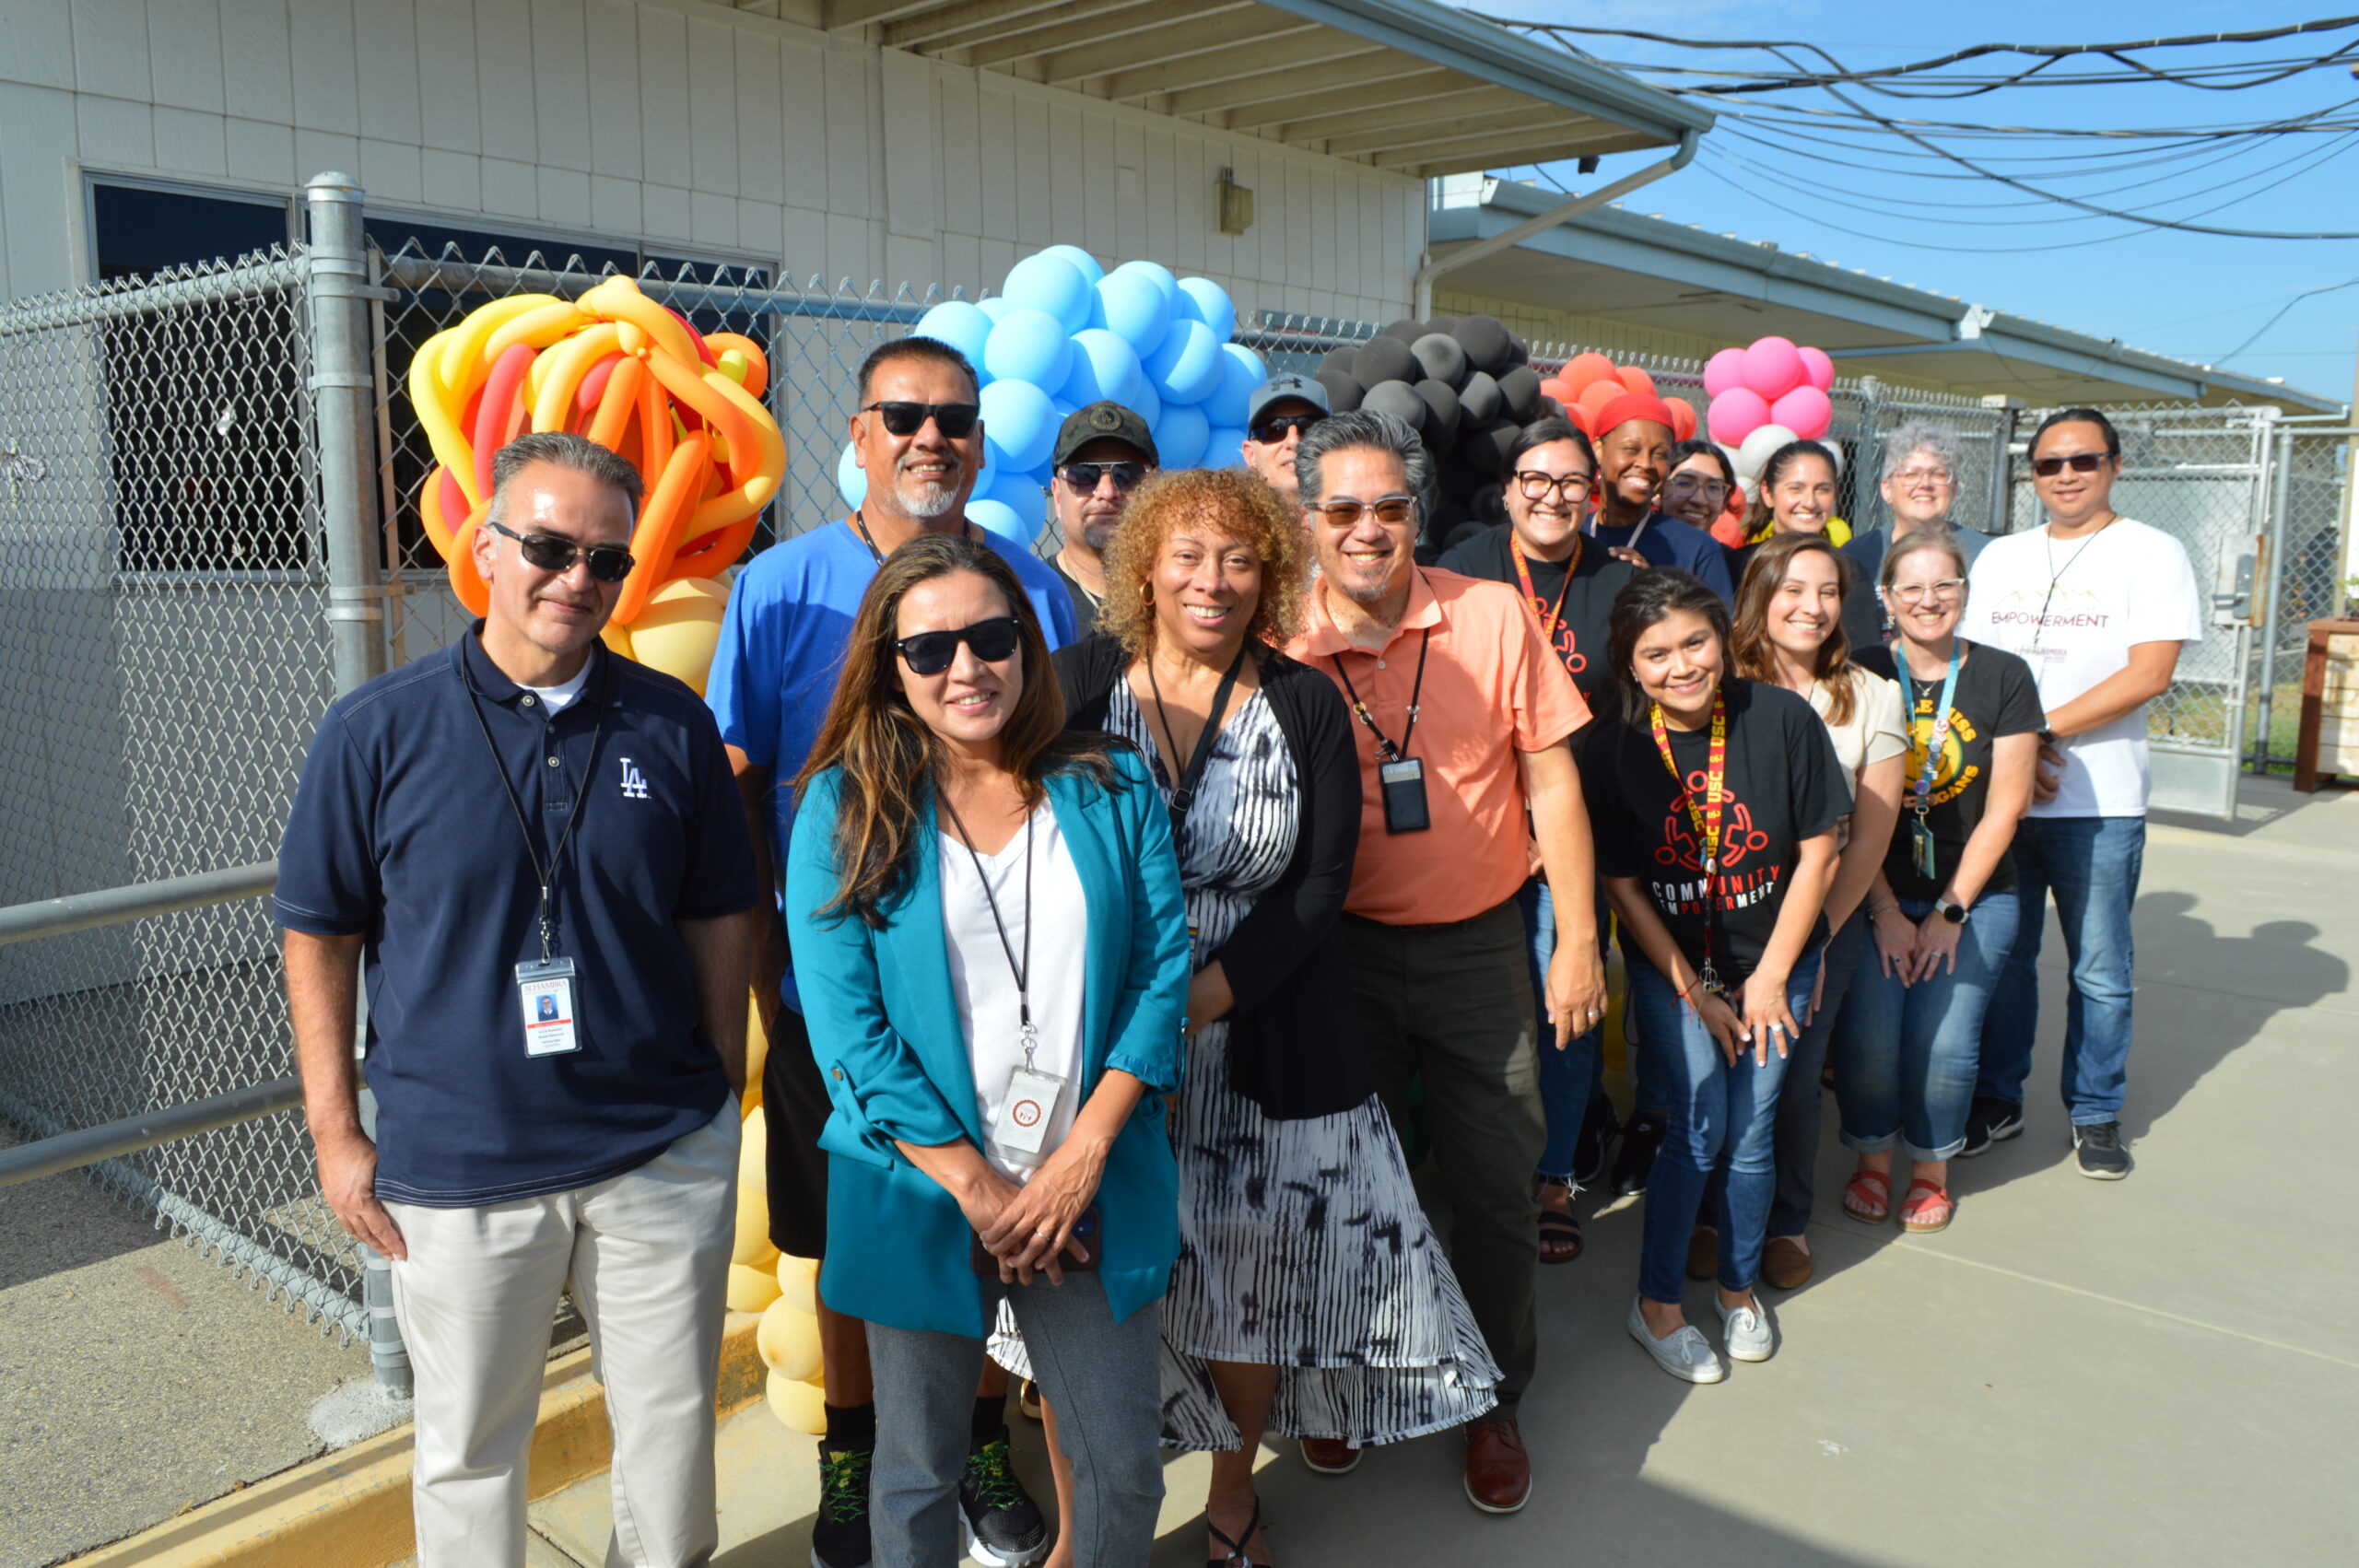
<point>1703,1253</point>
<point>1786,1264</point>
<point>1498,1473</point>
<point>1330,1456</point>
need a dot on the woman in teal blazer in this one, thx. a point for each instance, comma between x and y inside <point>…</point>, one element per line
<point>912,892</point>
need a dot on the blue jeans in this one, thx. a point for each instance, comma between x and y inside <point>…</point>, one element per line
<point>1721,1112</point>
<point>1569,1079</point>
<point>1905,1055</point>
<point>2092,864</point>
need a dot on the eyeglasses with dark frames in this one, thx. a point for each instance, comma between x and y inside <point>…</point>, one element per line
<point>954,420</point>
<point>2079,462</point>
<point>930,653</point>
<point>1538,486</point>
<point>555,552</point>
<point>1273,430</point>
<point>1084,477</point>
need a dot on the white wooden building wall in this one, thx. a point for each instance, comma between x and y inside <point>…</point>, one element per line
<point>675,121</point>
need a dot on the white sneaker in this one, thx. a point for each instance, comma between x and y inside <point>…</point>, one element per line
<point>1751,1335</point>
<point>1687,1355</point>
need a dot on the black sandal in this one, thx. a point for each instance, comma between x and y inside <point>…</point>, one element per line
<point>1237,1556</point>
<point>1558,1228</point>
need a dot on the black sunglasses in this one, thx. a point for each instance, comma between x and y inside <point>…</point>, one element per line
<point>555,552</point>
<point>953,419</point>
<point>1273,430</point>
<point>1084,477</point>
<point>930,653</point>
<point>2080,462</point>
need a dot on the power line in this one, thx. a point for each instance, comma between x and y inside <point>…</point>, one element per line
<point>2305,294</point>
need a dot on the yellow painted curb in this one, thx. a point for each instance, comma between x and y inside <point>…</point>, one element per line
<point>351,1509</point>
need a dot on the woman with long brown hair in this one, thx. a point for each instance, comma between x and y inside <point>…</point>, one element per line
<point>1789,632</point>
<point>993,955</point>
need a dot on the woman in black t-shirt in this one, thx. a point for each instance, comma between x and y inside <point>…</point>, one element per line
<point>1942,910</point>
<point>1570,582</point>
<point>1714,802</point>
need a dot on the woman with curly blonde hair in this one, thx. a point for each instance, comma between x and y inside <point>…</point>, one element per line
<point>1310,1297</point>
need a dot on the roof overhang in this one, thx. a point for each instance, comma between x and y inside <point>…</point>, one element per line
<point>1650,273</point>
<point>1407,86</point>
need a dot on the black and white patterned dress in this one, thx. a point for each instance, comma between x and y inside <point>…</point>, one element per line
<point>1301,1243</point>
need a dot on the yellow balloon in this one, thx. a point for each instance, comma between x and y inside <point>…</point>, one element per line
<point>753,1248</point>
<point>789,1341</point>
<point>799,1277</point>
<point>751,1290</point>
<point>617,640</point>
<point>679,629</point>
<point>799,1406</point>
<point>753,1156</point>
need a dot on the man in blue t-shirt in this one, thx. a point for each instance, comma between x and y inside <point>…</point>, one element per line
<point>534,851</point>
<point>1633,459</point>
<point>919,437</point>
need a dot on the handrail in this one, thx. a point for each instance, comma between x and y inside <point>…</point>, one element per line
<point>89,1145</point>
<point>113,906</point>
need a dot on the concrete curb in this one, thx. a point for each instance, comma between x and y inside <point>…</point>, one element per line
<point>351,1509</point>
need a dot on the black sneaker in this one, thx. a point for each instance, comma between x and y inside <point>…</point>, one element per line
<point>2103,1155</point>
<point>1598,1128</point>
<point>1642,1138</point>
<point>1991,1120</point>
<point>1003,1525</point>
<point>839,1534</point>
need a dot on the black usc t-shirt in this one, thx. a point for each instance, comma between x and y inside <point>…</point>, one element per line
<point>1589,603</point>
<point>1782,784</point>
<point>1996,696</point>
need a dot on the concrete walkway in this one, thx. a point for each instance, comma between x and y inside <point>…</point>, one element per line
<point>2150,1371</point>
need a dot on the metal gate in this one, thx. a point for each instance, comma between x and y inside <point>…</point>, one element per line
<point>2204,476</point>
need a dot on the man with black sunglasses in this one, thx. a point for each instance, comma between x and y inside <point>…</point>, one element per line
<point>917,437</point>
<point>536,847</point>
<point>1281,409</point>
<point>2100,605</point>
<point>1102,453</point>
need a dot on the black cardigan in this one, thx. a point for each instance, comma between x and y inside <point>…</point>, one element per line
<point>1294,1037</point>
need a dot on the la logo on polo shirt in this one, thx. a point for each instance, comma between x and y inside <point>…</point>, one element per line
<point>634,782</point>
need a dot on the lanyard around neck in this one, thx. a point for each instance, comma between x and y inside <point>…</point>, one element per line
<point>1021,970</point>
<point>1940,737</point>
<point>1550,616</point>
<point>544,873</point>
<point>1705,819</point>
<point>1183,793</point>
<point>1384,746</point>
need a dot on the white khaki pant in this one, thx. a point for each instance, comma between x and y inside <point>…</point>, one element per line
<point>647,1256</point>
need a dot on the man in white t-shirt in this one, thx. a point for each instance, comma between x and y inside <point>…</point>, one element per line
<point>2099,606</point>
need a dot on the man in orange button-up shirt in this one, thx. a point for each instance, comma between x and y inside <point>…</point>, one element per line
<point>1461,712</point>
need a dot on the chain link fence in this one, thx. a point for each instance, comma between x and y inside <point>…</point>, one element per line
<point>163,661</point>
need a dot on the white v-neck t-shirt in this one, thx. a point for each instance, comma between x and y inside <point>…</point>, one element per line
<point>983,981</point>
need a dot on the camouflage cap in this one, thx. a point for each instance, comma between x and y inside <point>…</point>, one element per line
<point>1103,420</point>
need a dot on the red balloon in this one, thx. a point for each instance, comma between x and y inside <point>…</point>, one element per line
<point>1599,392</point>
<point>1585,369</point>
<point>1579,417</point>
<point>1639,381</point>
<point>1682,418</point>
<point>1556,388</point>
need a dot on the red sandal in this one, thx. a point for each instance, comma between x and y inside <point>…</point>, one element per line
<point>1928,1208</point>
<point>1867,1196</point>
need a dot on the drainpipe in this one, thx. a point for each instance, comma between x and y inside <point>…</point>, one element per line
<point>1679,159</point>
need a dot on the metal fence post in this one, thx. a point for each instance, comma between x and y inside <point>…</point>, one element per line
<point>2280,502</point>
<point>2003,466</point>
<point>343,388</point>
<point>1867,461</point>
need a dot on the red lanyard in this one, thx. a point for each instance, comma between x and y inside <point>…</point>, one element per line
<point>1549,617</point>
<point>1706,818</point>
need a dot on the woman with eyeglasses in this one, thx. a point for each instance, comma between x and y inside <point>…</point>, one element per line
<point>1311,1299</point>
<point>1942,908</point>
<point>1788,632</point>
<point>992,949</point>
<point>1569,583</point>
<point>1697,490</point>
<point>1919,489</point>
<point>1714,801</point>
<point>1797,493</point>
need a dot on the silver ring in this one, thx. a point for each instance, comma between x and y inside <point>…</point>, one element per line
<point>1777,1028</point>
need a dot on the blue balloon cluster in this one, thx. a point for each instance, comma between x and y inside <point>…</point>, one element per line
<point>1064,332</point>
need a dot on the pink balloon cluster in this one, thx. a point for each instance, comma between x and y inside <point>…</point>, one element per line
<point>1770,383</point>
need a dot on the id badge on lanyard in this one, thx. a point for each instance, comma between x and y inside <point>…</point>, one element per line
<point>1026,1113</point>
<point>545,990</point>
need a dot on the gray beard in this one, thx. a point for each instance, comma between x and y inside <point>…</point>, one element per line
<point>925,502</point>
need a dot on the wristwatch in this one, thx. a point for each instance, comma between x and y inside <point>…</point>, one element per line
<point>1953,913</point>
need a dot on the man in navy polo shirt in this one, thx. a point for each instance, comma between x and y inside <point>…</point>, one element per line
<point>535,851</point>
<point>919,437</point>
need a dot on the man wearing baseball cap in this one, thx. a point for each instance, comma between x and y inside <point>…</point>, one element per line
<point>1281,409</point>
<point>1102,453</point>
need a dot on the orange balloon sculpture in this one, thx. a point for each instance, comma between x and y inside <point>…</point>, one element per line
<point>683,408</point>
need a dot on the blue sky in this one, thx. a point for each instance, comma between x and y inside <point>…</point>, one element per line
<point>2195,296</point>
